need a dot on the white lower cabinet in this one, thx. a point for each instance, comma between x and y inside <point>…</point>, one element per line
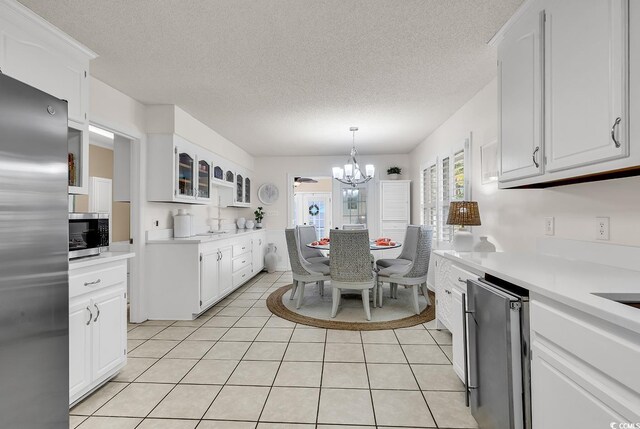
<point>580,369</point>
<point>257,252</point>
<point>443,292</point>
<point>97,326</point>
<point>188,277</point>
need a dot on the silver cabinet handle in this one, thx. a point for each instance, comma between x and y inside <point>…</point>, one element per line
<point>461,280</point>
<point>95,282</point>
<point>613,131</point>
<point>535,151</point>
<point>90,315</point>
<point>97,315</point>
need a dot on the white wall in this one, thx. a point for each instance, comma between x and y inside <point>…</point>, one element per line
<point>276,170</point>
<point>514,218</point>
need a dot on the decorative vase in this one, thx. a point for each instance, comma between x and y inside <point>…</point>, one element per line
<point>484,245</point>
<point>271,258</point>
<point>249,224</point>
<point>182,224</point>
<point>241,222</point>
<point>258,225</point>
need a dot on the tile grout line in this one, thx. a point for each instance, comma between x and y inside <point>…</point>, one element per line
<point>416,380</point>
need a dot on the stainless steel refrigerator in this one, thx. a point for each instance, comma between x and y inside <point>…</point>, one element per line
<point>34,305</point>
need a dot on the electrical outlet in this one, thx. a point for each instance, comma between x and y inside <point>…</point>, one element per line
<point>602,228</point>
<point>549,226</point>
<point>156,223</point>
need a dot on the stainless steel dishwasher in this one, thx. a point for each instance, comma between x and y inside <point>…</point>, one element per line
<point>497,358</point>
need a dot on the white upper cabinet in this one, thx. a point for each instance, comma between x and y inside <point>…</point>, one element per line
<point>38,54</point>
<point>563,79</point>
<point>520,98</point>
<point>586,82</point>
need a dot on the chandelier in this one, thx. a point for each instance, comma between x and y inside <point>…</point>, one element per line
<point>351,173</point>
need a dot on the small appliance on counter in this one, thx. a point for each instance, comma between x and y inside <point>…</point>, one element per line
<point>182,224</point>
<point>88,234</point>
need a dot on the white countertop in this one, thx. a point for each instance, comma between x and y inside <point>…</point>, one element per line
<point>567,281</point>
<point>99,259</point>
<point>203,238</point>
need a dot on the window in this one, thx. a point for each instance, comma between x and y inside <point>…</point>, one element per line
<point>444,181</point>
<point>430,197</point>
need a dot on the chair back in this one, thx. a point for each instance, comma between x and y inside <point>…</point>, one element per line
<point>294,253</point>
<point>420,265</point>
<point>307,234</point>
<point>410,244</point>
<point>354,226</point>
<point>350,256</point>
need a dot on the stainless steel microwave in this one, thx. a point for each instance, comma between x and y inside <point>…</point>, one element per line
<point>88,234</point>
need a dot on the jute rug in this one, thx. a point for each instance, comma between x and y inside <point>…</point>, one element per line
<point>276,306</point>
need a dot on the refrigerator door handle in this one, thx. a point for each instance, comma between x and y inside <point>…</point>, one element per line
<point>90,315</point>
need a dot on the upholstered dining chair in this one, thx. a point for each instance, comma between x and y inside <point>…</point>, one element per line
<point>351,267</point>
<point>307,234</point>
<point>353,226</point>
<point>302,271</point>
<point>413,275</point>
<point>409,248</point>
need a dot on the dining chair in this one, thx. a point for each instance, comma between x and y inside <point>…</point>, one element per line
<point>354,226</point>
<point>303,272</point>
<point>351,267</point>
<point>409,247</point>
<point>307,234</point>
<point>413,275</point>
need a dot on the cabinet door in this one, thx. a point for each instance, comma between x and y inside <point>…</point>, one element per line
<point>208,277</point>
<point>204,180</point>
<point>80,318</point>
<point>225,273</point>
<point>109,330</point>
<point>586,89</point>
<point>457,312</point>
<point>239,188</point>
<point>30,60</point>
<point>185,166</point>
<point>520,99</point>
<point>257,254</point>
<point>560,401</point>
<point>443,293</point>
<point>394,204</point>
<point>247,190</point>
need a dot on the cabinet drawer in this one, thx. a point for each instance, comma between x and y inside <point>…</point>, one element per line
<point>241,276</point>
<point>587,339</point>
<point>241,248</point>
<point>93,279</point>
<point>241,262</point>
<point>458,277</point>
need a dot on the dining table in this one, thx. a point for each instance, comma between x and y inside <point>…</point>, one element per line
<point>372,246</point>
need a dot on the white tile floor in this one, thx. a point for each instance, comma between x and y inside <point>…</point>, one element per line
<point>238,366</point>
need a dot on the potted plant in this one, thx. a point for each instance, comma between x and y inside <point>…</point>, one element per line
<point>259,214</point>
<point>394,172</point>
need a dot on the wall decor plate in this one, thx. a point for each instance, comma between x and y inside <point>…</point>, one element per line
<point>268,193</point>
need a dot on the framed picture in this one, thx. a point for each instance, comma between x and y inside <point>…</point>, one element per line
<point>489,162</point>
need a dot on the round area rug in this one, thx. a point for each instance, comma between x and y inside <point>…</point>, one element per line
<point>316,310</point>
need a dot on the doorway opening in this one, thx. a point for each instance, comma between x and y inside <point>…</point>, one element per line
<point>110,191</point>
<point>312,203</point>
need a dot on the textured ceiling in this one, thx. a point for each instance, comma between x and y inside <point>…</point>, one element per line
<point>289,77</point>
